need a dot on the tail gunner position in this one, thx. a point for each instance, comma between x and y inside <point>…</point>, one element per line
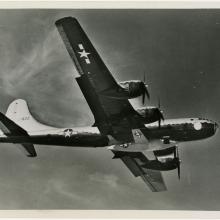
<point>129,133</point>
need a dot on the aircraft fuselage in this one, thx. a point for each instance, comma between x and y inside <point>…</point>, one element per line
<point>171,130</point>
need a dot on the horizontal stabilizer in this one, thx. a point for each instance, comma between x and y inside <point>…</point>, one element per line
<point>10,129</point>
<point>29,150</point>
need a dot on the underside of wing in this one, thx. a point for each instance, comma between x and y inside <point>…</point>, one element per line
<point>83,54</point>
<point>112,116</point>
<point>134,162</point>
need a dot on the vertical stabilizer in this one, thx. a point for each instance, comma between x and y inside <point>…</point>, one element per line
<point>19,113</point>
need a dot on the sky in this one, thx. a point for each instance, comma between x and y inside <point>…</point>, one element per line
<point>178,50</point>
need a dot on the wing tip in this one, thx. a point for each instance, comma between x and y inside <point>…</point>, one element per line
<point>65,19</point>
<point>32,155</point>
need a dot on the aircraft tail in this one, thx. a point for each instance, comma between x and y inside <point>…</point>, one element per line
<point>18,121</point>
<point>19,113</point>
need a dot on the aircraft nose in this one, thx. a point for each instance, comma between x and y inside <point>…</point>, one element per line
<point>216,126</point>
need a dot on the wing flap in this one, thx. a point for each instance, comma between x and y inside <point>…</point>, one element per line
<point>132,166</point>
<point>154,179</point>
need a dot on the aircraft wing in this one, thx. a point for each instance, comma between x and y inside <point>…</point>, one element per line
<point>112,116</point>
<point>84,55</point>
<point>134,162</point>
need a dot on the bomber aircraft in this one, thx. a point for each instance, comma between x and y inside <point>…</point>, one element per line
<point>131,134</point>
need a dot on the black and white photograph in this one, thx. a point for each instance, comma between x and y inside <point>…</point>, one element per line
<point>110,109</point>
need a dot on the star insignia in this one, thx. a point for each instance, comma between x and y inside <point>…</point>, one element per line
<point>68,132</point>
<point>124,145</point>
<point>83,53</point>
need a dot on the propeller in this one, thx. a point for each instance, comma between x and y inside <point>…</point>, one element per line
<point>178,162</point>
<point>159,114</point>
<point>144,90</point>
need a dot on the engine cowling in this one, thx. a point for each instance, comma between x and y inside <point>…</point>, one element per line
<point>128,90</point>
<point>134,88</point>
<point>166,159</point>
<point>150,114</point>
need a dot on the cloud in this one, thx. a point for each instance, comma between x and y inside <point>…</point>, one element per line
<point>109,180</point>
<point>42,69</point>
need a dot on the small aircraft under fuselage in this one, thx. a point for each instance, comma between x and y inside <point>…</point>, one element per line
<point>129,133</point>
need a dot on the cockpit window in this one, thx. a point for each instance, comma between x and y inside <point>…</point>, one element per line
<point>203,119</point>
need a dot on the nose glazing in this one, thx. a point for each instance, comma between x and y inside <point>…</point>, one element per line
<point>215,126</point>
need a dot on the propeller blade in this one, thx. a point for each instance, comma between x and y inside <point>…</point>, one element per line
<point>143,98</point>
<point>144,89</point>
<point>178,163</point>
<point>161,115</point>
<point>178,169</point>
<point>158,102</point>
<point>146,92</point>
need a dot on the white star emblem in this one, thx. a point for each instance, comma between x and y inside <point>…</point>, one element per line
<point>68,132</point>
<point>83,53</point>
<point>124,145</point>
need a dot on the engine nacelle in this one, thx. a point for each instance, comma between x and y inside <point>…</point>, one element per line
<point>128,90</point>
<point>149,114</point>
<point>165,160</point>
<point>133,88</point>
